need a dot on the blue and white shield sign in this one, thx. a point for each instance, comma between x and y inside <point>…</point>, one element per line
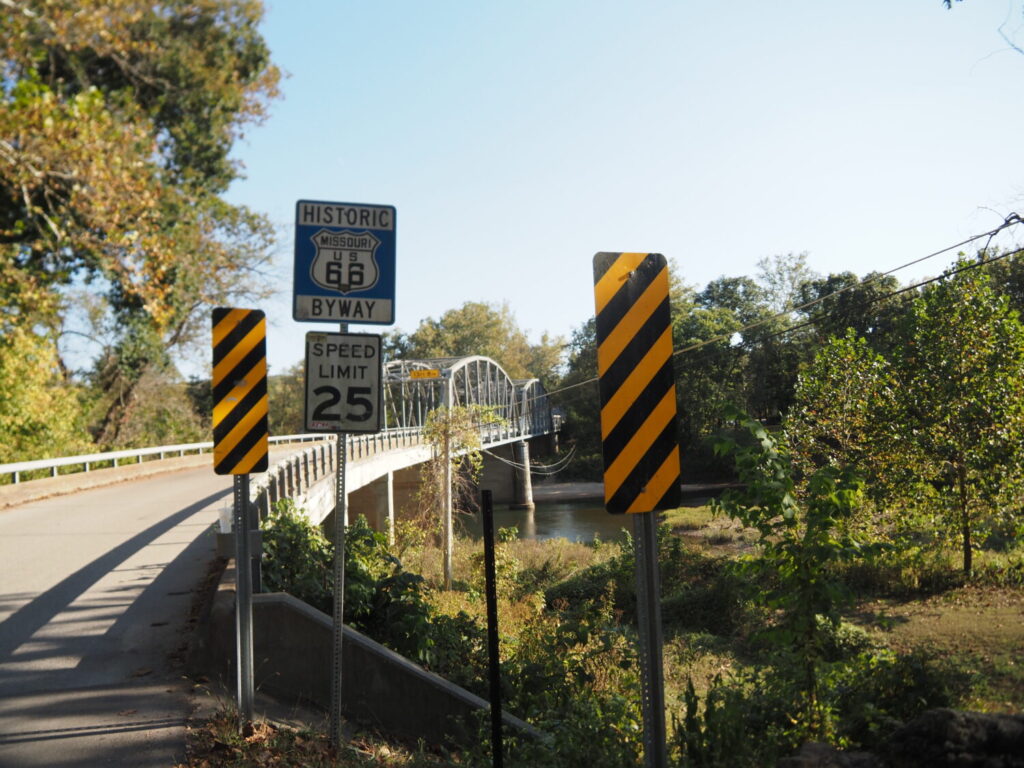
<point>344,263</point>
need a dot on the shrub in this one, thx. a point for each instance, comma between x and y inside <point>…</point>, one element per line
<point>297,557</point>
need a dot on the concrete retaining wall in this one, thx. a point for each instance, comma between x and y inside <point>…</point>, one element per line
<point>292,653</point>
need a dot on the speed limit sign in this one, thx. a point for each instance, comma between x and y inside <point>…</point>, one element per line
<point>343,382</point>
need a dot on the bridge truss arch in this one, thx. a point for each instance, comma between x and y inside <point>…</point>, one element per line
<point>414,388</point>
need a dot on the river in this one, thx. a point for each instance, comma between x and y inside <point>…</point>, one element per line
<point>573,511</point>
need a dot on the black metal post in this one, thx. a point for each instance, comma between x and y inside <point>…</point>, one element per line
<point>494,665</point>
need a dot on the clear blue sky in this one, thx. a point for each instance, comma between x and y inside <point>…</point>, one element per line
<point>518,139</point>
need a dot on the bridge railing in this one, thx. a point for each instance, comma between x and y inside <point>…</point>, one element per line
<point>359,446</point>
<point>86,462</point>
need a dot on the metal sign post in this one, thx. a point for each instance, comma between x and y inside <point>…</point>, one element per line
<point>343,395</point>
<point>241,446</point>
<point>338,623</point>
<point>344,272</point>
<point>648,618</point>
<point>638,441</point>
<point>243,599</point>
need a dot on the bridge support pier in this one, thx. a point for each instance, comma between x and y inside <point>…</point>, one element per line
<point>522,487</point>
<point>376,502</point>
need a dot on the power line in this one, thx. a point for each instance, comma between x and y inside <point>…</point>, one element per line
<point>1012,220</point>
<point>869,302</point>
<point>538,469</point>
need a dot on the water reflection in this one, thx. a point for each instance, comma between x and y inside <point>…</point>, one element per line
<point>573,520</point>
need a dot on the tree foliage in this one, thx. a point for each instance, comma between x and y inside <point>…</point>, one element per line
<point>801,536</point>
<point>287,400</point>
<point>937,422</point>
<point>40,414</point>
<point>480,328</point>
<point>116,124</point>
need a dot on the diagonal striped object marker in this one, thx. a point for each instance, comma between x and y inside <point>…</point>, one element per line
<point>638,394</point>
<point>240,427</point>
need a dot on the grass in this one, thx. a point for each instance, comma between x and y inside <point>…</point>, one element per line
<point>919,608</point>
<point>714,533</point>
<point>980,629</point>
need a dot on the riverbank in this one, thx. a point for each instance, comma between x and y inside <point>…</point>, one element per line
<point>586,491</point>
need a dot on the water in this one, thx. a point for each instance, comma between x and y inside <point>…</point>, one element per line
<point>573,520</point>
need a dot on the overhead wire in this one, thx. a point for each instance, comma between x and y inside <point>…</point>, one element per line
<point>1011,220</point>
<point>538,469</point>
<point>874,299</point>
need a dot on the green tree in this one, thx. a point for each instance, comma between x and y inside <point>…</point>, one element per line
<point>116,120</point>
<point>480,328</point>
<point>40,413</point>
<point>579,397</point>
<point>286,394</point>
<point>963,385</point>
<point>781,276</point>
<point>939,422</point>
<point>801,537</point>
<point>707,378</point>
<point>867,306</point>
<point>447,480</point>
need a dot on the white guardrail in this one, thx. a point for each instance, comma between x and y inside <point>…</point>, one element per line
<point>358,446</point>
<point>85,462</point>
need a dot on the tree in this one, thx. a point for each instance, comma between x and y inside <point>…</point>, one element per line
<point>707,378</point>
<point>40,414</point>
<point>480,328</point>
<point>781,276</point>
<point>963,384</point>
<point>801,538</point>
<point>742,296</point>
<point>941,418</point>
<point>116,120</point>
<point>287,399</point>
<point>449,477</point>
<point>579,397</point>
<point>843,415</point>
<point>867,306</point>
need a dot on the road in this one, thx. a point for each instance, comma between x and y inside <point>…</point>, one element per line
<point>95,591</point>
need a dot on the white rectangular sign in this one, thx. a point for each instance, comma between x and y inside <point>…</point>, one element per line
<point>343,382</point>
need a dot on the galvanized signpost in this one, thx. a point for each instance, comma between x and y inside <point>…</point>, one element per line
<point>241,446</point>
<point>344,272</point>
<point>639,443</point>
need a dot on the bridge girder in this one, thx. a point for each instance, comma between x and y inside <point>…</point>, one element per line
<point>413,388</point>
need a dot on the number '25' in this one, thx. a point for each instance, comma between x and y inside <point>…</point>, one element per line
<point>360,406</point>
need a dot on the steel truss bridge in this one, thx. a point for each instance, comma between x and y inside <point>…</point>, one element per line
<point>414,388</point>
<point>507,410</point>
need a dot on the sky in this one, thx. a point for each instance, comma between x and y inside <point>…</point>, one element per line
<point>516,140</point>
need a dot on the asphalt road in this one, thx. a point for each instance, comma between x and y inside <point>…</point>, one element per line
<point>95,591</point>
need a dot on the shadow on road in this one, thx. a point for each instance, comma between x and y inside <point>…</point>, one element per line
<point>21,625</point>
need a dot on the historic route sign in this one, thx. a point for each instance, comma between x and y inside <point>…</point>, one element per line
<point>344,263</point>
<point>343,382</point>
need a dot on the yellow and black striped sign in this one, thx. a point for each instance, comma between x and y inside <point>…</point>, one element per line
<point>240,429</point>
<point>638,394</point>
